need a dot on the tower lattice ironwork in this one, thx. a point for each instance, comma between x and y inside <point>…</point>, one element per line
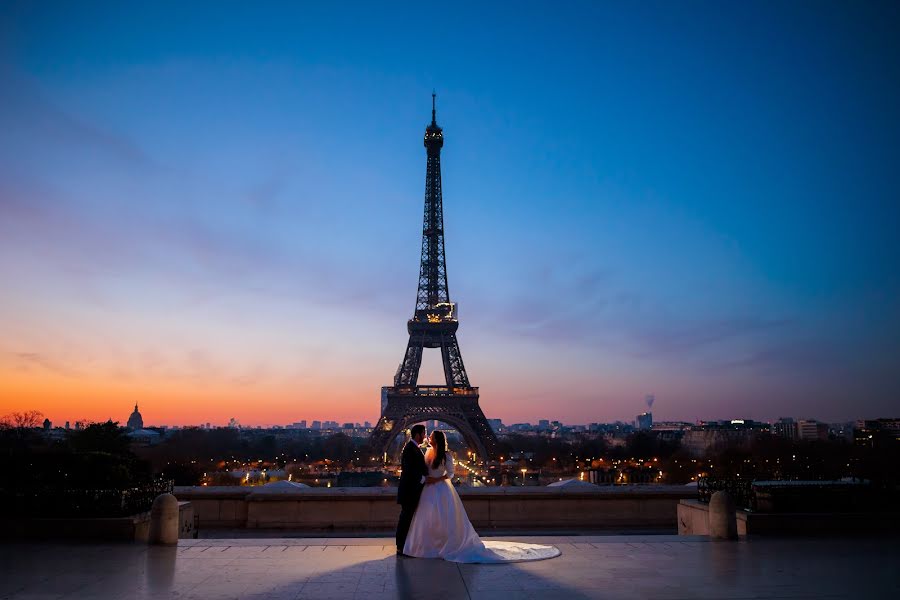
<point>433,325</point>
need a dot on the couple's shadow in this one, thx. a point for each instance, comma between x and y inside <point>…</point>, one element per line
<point>430,578</point>
<point>421,577</point>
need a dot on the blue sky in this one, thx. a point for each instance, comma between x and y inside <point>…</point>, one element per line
<point>216,208</point>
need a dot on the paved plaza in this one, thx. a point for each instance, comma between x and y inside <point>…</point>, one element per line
<point>613,567</point>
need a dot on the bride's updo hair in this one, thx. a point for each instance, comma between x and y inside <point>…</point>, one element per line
<point>439,441</point>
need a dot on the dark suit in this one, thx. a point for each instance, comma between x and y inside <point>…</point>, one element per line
<point>413,470</point>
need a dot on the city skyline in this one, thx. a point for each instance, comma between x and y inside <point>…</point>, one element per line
<point>221,218</point>
<point>305,422</point>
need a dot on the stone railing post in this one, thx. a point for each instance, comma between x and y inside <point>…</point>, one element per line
<point>722,518</point>
<point>164,521</point>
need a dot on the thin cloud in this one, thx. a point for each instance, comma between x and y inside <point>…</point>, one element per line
<point>28,114</point>
<point>27,361</point>
<point>666,340</point>
<point>590,308</point>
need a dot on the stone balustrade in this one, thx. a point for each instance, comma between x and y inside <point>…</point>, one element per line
<point>495,508</point>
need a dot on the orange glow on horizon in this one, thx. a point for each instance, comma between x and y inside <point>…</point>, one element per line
<point>62,398</point>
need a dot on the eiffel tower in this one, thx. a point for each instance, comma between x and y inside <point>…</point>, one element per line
<point>433,325</point>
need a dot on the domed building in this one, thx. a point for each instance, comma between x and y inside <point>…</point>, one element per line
<point>135,421</point>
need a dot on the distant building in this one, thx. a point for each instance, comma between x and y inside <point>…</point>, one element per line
<point>135,421</point>
<point>144,437</point>
<point>67,425</point>
<point>841,431</point>
<point>811,430</point>
<point>521,427</point>
<point>544,424</point>
<point>671,425</point>
<point>316,425</point>
<point>645,421</point>
<point>889,425</point>
<point>877,433</point>
<point>367,425</point>
<point>496,424</point>
<point>786,428</point>
<point>670,431</point>
<point>717,435</point>
<point>47,424</point>
<point>612,428</point>
<point>608,476</point>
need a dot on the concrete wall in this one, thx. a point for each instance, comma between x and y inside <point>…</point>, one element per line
<point>693,519</point>
<point>185,520</point>
<point>375,509</point>
<point>132,528</point>
<point>117,528</point>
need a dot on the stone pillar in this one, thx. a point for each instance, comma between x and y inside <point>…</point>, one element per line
<point>722,519</point>
<point>164,520</point>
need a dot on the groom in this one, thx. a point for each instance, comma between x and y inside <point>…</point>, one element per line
<point>413,474</point>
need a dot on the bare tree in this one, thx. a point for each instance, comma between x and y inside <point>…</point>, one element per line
<point>28,419</point>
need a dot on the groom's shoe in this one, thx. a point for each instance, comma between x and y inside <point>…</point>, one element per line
<point>400,553</point>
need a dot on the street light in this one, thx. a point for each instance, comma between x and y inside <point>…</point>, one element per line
<point>523,476</point>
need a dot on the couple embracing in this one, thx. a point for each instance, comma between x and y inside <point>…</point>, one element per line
<point>433,522</point>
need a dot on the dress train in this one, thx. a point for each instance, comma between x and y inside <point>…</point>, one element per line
<point>441,528</point>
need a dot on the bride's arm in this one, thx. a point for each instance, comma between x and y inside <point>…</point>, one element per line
<point>449,466</point>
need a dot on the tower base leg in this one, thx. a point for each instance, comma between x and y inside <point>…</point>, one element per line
<point>458,407</point>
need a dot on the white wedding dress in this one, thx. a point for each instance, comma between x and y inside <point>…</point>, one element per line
<point>441,528</point>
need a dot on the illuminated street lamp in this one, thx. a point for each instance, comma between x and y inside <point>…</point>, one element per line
<point>523,476</point>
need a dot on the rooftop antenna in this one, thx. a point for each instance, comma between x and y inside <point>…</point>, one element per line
<point>433,112</point>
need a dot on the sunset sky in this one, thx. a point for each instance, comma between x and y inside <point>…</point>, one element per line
<point>215,210</point>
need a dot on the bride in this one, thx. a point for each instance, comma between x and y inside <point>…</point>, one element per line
<point>441,528</point>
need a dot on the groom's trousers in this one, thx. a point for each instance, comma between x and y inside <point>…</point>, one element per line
<point>407,511</point>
